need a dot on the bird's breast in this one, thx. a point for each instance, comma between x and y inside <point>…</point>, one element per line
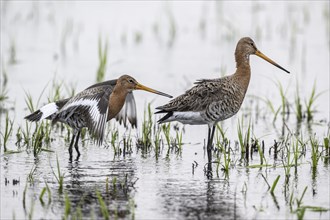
<point>116,102</point>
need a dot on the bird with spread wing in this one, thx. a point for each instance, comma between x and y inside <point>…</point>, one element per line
<point>93,107</point>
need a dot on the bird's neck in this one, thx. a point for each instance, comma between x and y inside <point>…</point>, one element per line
<point>242,59</point>
<point>243,70</point>
<point>116,101</point>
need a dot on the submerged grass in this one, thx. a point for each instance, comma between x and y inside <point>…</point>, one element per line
<point>284,101</point>
<point>316,154</point>
<point>261,152</point>
<point>283,108</point>
<point>104,209</point>
<point>147,127</point>
<point>157,142</point>
<point>166,131</point>
<point>7,133</point>
<point>59,177</point>
<point>179,140</point>
<point>43,192</point>
<point>67,206</point>
<point>299,210</point>
<point>114,138</point>
<point>309,104</point>
<point>244,138</point>
<point>298,106</point>
<point>226,163</point>
<point>274,184</point>
<point>287,162</point>
<point>302,110</point>
<point>37,139</point>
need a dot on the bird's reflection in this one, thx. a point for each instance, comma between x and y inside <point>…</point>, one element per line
<point>197,199</point>
<point>86,180</point>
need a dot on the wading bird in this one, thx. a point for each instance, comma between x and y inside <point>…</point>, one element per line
<point>93,107</point>
<point>214,100</point>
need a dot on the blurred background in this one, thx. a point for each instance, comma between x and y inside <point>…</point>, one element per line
<point>167,45</point>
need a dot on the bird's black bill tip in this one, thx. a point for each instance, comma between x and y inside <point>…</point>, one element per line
<point>263,56</point>
<point>282,68</point>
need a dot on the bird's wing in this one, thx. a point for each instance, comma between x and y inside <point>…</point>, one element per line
<point>110,83</point>
<point>128,111</point>
<point>91,106</point>
<point>198,97</point>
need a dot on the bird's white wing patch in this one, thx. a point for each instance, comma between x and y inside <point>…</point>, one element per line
<point>91,104</point>
<point>98,120</point>
<point>48,110</point>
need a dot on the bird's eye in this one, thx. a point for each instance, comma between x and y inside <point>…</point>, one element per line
<point>130,81</point>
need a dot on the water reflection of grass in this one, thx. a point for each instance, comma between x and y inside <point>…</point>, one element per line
<point>59,177</point>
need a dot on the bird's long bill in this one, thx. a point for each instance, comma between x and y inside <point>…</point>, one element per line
<point>142,87</point>
<point>263,56</point>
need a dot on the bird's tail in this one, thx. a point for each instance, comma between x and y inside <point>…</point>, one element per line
<point>167,116</point>
<point>43,112</point>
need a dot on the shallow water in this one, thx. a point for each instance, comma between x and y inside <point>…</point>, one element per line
<point>165,46</point>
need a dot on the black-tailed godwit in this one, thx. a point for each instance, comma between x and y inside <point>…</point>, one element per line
<point>93,107</point>
<point>214,100</point>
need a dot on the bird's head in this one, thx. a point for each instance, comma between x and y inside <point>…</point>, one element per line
<point>130,84</point>
<point>247,47</point>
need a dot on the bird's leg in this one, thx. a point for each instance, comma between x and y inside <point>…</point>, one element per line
<point>209,151</point>
<point>76,145</point>
<point>71,144</point>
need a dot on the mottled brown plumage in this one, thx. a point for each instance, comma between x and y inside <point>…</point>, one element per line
<point>93,107</point>
<point>214,100</point>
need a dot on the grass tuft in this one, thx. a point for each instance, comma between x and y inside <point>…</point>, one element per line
<point>7,133</point>
<point>310,109</point>
<point>103,57</point>
<point>243,138</point>
<point>274,184</point>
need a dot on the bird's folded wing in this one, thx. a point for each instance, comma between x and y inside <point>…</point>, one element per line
<point>128,111</point>
<point>196,98</point>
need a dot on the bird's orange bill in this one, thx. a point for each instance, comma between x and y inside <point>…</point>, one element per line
<point>263,56</point>
<point>142,87</point>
